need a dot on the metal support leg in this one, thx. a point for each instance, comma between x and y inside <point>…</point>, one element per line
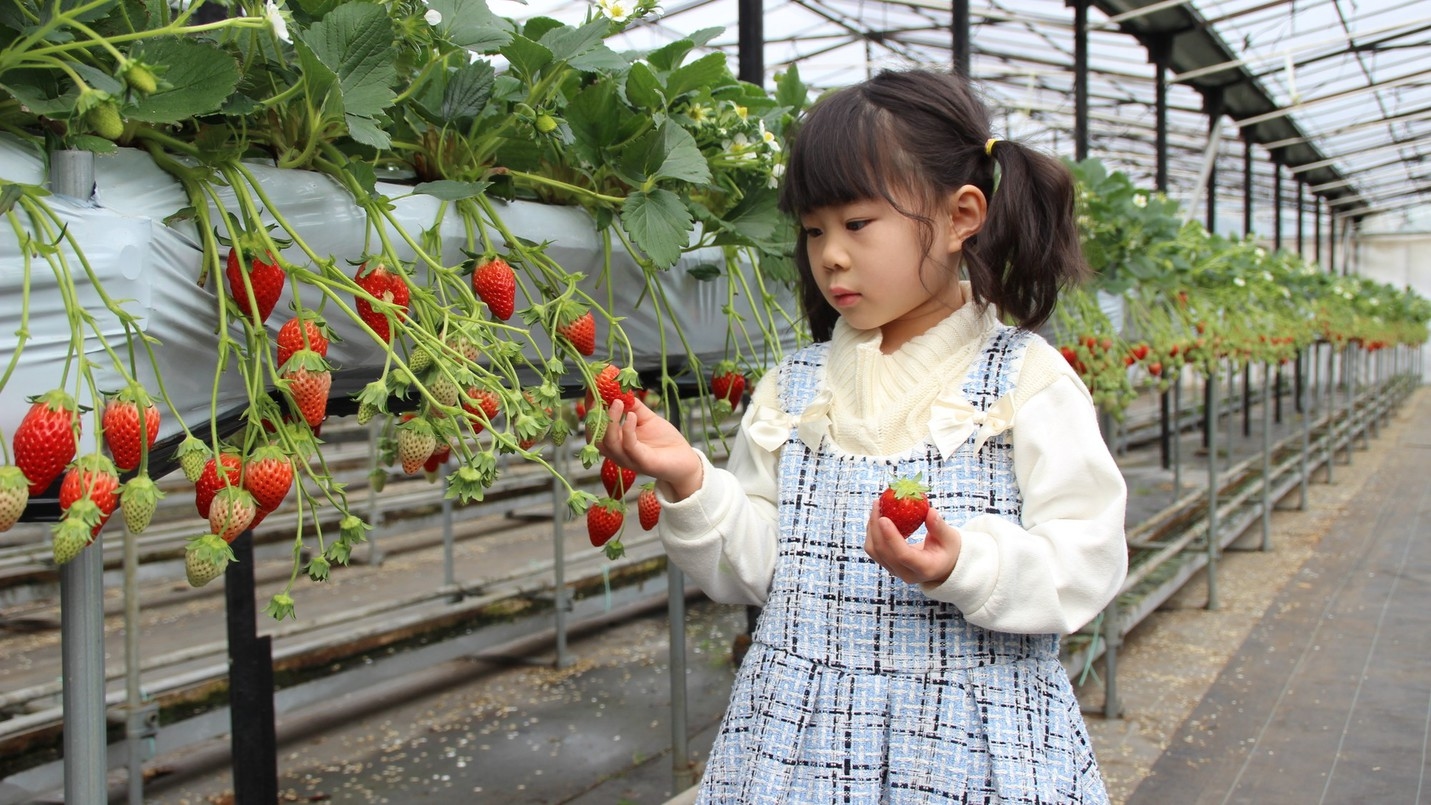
<point>82,666</point>
<point>253,738</point>
<point>1266,461</point>
<point>1212,524</point>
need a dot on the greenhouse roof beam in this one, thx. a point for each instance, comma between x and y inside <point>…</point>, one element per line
<point>1196,45</point>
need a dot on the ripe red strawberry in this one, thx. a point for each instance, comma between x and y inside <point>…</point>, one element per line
<point>648,506</point>
<point>268,476</point>
<point>93,477</point>
<point>14,495</point>
<point>906,503</point>
<point>385,284</point>
<point>482,406</point>
<point>603,520</point>
<point>727,383</point>
<point>309,381</point>
<point>121,427</point>
<point>415,442</point>
<point>580,330</point>
<point>290,338</point>
<point>496,285</point>
<point>609,388</point>
<point>205,558</point>
<point>46,439</point>
<point>264,276</point>
<point>210,483</point>
<point>616,478</point>
<point>232,511</point>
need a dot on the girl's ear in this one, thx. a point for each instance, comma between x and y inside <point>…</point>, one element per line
<point>967,207</point>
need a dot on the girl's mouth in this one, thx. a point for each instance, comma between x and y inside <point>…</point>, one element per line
<point>842,297</point>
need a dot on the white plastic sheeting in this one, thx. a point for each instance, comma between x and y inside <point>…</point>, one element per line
<point>152,267</point>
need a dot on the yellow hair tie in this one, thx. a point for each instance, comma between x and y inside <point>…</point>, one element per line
<point>989,146</point>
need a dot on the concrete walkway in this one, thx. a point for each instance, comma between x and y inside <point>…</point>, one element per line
<point>1329,698</point>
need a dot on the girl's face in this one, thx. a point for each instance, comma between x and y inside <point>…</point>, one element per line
<point>869,262</point>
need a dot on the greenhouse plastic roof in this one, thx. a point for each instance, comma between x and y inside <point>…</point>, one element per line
<point>1338,90</point>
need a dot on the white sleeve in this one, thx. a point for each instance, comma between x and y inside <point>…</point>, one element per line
<point>1059,568</point>
<point>724,535</point>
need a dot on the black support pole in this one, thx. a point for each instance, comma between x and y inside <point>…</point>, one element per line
<point>1160,50</point>
<point>961,40</point>
<point>1214,103</point>
<point>1300,216</point>
<point>751,47</point>
<point>1246,185</point>
<point>1277,206</point>
<point>253,741</point>
<point>1317,227</point>
<point>1080,79</point>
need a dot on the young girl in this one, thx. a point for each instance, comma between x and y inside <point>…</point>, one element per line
<point>886,669</point>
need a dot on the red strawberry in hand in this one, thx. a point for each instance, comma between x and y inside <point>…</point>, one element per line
<point>121,423</point>
<point>265,278</point>
<point>906,503</point>
<point>580,330</point>
<point>648,506</point>
<point>496,285</point>
<point>727,383</point>
<point>385,284</point>
<point>616,478</point>
<point>603,520</point>
<point>46,439</point>
<point>608,387</point>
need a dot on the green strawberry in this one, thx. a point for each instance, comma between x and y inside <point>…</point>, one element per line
<point>69,537</point>
<point>205,558</point>
<point>192,455</point>
<point>138,499</point>
<point>14,495</point>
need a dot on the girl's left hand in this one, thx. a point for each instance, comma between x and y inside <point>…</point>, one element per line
<point>927,562</point>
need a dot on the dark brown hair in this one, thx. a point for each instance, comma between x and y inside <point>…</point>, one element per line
<point>920,134</point>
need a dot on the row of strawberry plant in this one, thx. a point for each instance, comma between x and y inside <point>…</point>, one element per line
<point>1190,298</point>
<point>668,154</point>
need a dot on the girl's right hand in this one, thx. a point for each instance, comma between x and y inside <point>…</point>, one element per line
<point>641,440</point>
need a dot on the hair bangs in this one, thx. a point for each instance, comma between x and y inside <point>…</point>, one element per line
<point>840,153</point>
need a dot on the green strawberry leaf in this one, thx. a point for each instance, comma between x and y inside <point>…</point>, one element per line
<point>471,24</point>
<point>467,91</point>
<point>644,90</point>
<point>567,43</point>
<point>355,43</point>
<point>659,223</point>
<point>669,152</point>
<point>200,78</point>
<point>707,71</point>
<point>527,57</point>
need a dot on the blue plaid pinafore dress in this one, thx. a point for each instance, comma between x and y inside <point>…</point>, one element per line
<point>858,688</point>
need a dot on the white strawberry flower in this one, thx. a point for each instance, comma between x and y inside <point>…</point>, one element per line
<point>776,172</point>
<point>769,138</point>
<point>1140,200</point>
<point>433,17</point>
<point>616,10</point>
<point>275,14</point>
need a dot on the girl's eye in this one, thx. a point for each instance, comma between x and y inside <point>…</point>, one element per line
<point>855,226</point>
<point>812,232</point>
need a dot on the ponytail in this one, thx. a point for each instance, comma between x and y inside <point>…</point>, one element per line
<point>1028,249</point>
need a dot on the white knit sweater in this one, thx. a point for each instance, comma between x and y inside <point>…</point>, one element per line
<point>1050,574</point>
